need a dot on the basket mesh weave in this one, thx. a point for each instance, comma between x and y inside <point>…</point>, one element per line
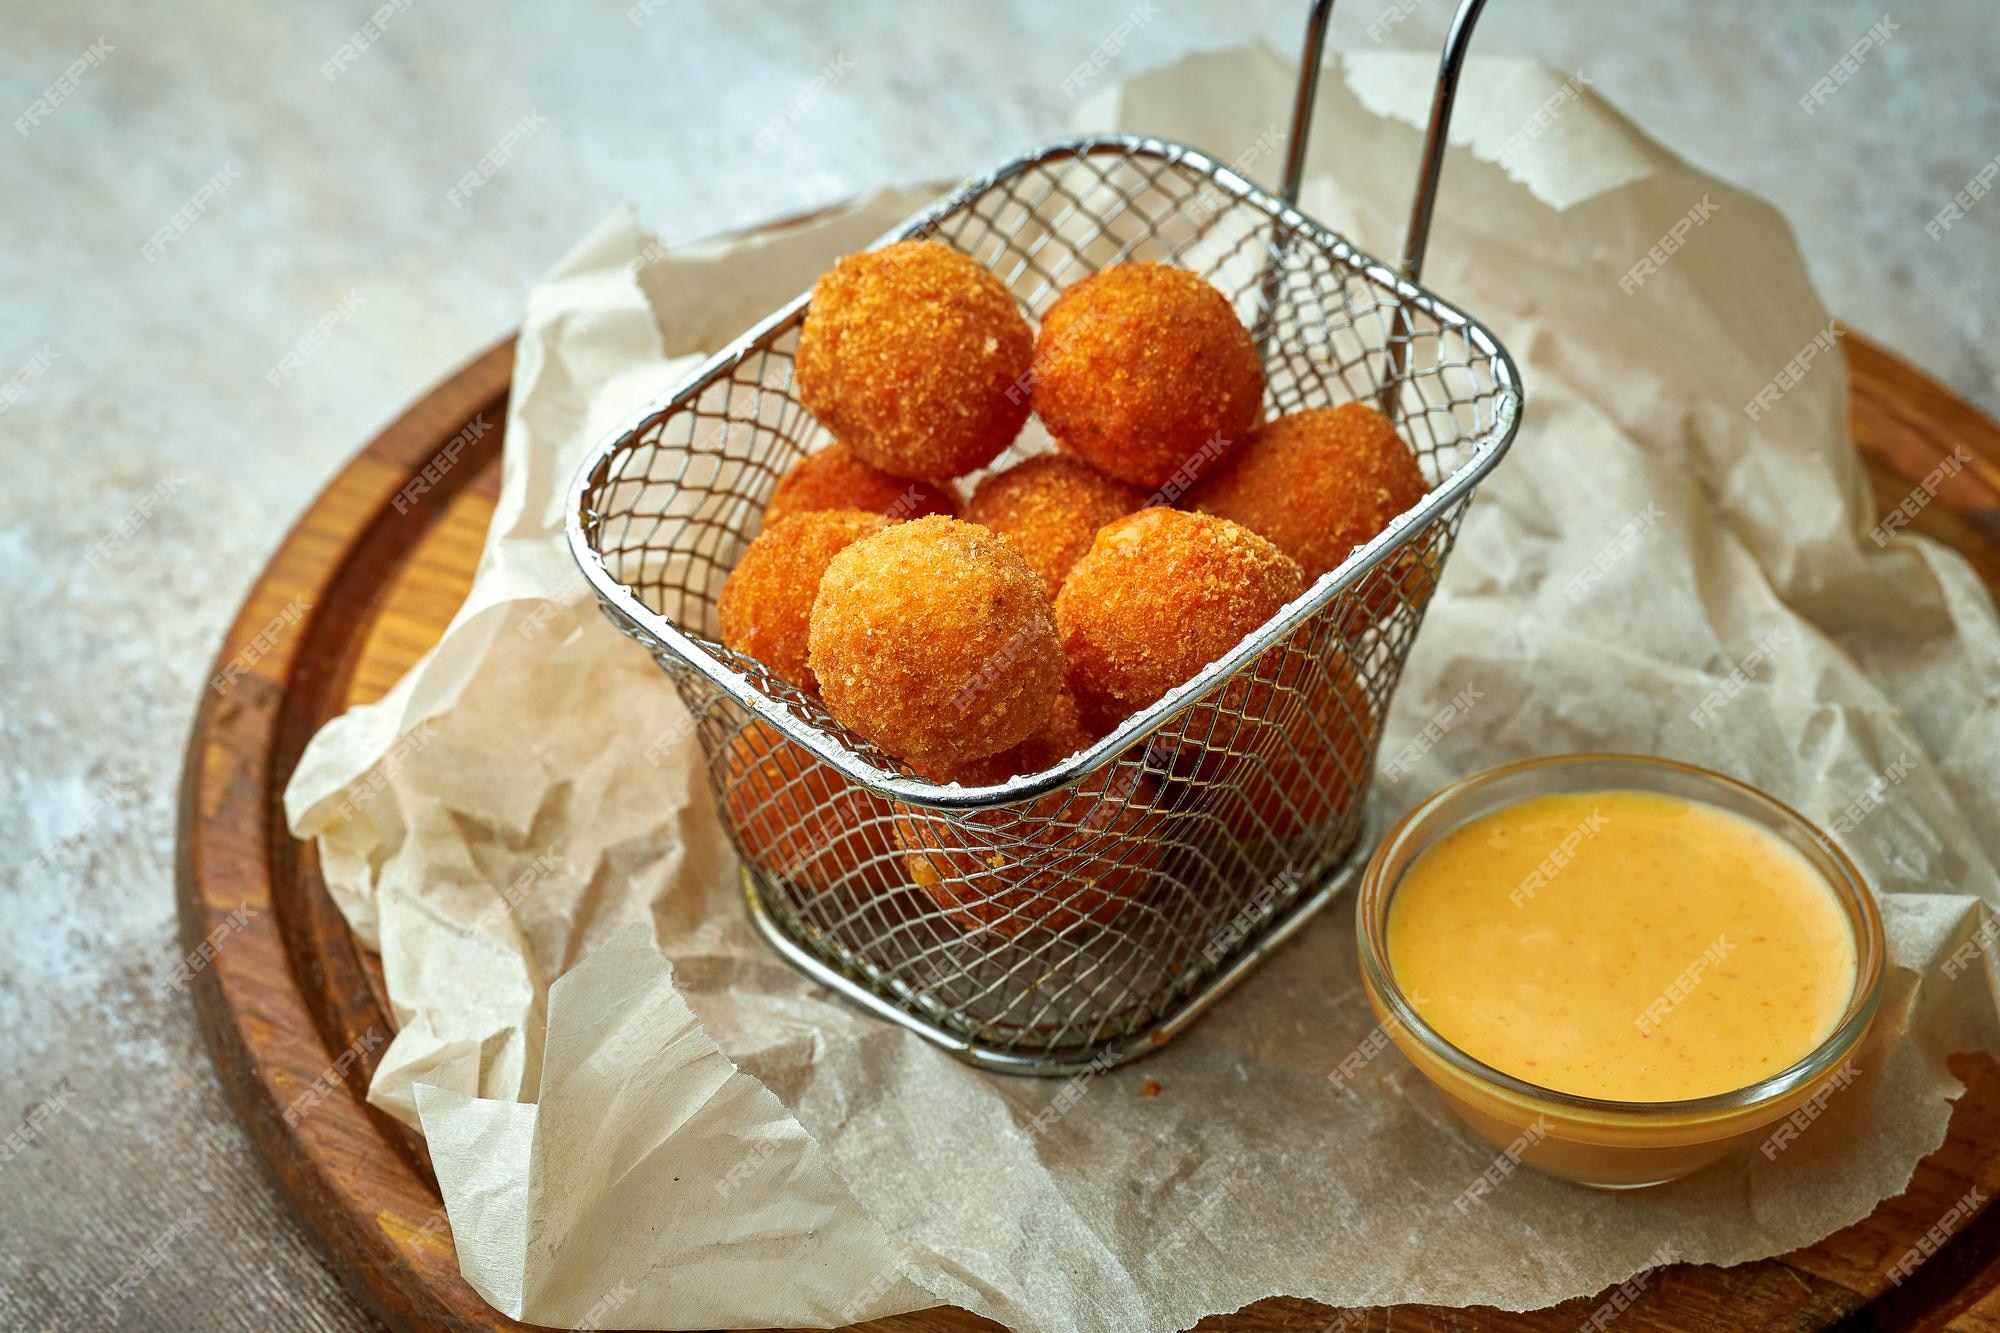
<point>1077,917</point>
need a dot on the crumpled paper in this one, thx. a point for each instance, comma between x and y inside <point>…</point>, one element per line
<point>642,1118</point>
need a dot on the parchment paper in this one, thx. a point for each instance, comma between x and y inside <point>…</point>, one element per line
<point>641,1118</point>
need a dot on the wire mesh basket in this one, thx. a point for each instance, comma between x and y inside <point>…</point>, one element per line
<point>1080,916</point>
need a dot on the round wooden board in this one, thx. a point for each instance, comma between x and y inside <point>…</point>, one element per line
<point>289,992</point>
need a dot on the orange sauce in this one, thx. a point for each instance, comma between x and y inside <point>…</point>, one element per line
<point>1622,945</point>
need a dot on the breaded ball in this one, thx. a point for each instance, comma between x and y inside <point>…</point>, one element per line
<point>1316,483</point>
<point>1308,776</point>
<point>916,358</point>
<point>833,478</point>
<point>766,605</point>
<point>1060,736</point>
<point>934,640</point>
<point>797,819</point>
<point>1142,368</point>
<point>1050,506</point>
<point>1071,860</point>
<point>1159,596</point>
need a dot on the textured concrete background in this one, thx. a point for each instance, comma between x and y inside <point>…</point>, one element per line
<point>124,377</point>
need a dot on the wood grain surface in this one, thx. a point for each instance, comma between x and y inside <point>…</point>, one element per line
<point>291,992</point>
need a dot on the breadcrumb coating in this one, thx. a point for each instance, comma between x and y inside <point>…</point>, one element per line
<point>1072,861</point>
<point>1159,596</point>
<point>1050,507</point>
<point>1317,483</point>
<point>1307,779</point>
<point>1060,736</point>
<point>934,639</point>
<point>1142,365</point>
<point>833,478</point>
<point>799,819</point>
<point>766,605</point>
<point>915,357</point>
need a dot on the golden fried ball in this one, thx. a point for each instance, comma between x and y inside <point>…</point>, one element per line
<point>1071,861</point>
<point>833,478</point>
<point>766,605</point>
<point>1308,777</point>
<point>1159,596</point>
<point>916,358</point>
<point>934,640</point>
<point>1316,483</point>
<point>798,819</point>
<point>1060,736</point>
<point>1050,507</point>
<point>1143,367</point>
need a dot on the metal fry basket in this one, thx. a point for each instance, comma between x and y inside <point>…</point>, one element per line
<point>1081,916</point>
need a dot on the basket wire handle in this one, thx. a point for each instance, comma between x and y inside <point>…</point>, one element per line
<point>1430,167</point>
<point>1424,199</point>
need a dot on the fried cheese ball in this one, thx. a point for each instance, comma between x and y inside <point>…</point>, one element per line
<point>833,478</point>
<point>1160,595</point>
<point>1308,777</point>
<point>1060,736</point>
<point>798,819</point>
<point>1072,860</point>
<point>934,640</point>
<point>1143,367</point>
<point>916,357</point>
<point>1320,483</point>
<point>1050,507</point>
<point>766,605</point>
<point>1317,483</point>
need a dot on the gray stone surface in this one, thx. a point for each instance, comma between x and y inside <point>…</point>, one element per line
<point>134,376</point>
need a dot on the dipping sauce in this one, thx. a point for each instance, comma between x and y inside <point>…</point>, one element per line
<point>1622,944</point>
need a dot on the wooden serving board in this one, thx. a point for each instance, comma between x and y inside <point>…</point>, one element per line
<point>289,992</point>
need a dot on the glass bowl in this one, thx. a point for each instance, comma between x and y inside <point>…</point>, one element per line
<point>1604,1143</point>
